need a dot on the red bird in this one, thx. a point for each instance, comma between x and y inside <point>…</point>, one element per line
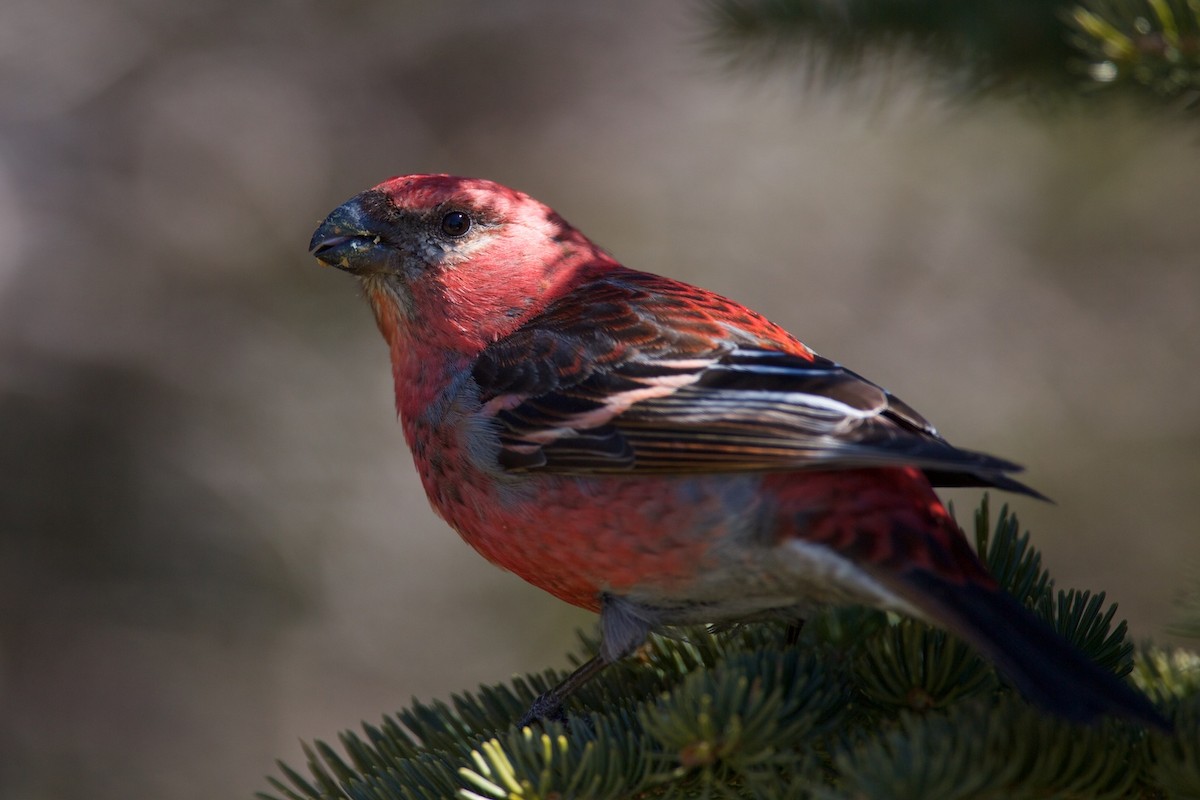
<point>662,455</point>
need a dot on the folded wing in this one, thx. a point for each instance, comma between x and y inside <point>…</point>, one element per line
<point>624,393</point>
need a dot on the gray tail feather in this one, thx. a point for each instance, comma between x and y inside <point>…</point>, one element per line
<point>1048,670</point>
<point>951,479</point>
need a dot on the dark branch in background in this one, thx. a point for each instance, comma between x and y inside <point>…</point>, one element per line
<point>1031,47</point>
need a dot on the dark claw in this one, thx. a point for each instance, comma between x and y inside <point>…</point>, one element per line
<point>547,708</point>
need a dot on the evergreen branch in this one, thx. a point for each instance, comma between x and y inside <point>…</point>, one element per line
<point>913,666</point>
<point>863,705</point>
<point>1151,44</point>
<point>1077,617</point>
<point>1187,619</point>
<point>743,721</point>
<point>1167,673</point>
<point>1035,47</point>
<point>977,46</point>
<point>999,750</point>
<point>1175,761</point>
<point>1009,557</point>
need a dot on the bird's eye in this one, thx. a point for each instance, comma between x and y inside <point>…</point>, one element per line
<point>455,223</point>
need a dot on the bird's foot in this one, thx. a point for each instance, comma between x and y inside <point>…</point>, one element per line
<point>548,707</point>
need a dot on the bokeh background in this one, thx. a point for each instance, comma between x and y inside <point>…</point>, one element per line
<point>212,541</point>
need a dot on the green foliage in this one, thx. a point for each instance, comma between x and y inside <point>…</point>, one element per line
<point>1009,556</point>
<point>1175,760</point>
<point>745,721</point>
<point>1151,47</point>
<point>1144,44</point>
<point>1002,750</point>
<point>863,705</point>
<point>982,44</point>
<point>1077,617</point>
<point>911,665</point>
<point>1187,621</point>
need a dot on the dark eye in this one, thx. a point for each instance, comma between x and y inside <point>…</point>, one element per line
<point>455,223</point>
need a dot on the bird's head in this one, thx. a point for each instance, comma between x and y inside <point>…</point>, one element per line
<point>460,260</point>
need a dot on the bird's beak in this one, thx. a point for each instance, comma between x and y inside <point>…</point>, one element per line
<point>345,239</point>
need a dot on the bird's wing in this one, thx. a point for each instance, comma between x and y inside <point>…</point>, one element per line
<point>623,378</point>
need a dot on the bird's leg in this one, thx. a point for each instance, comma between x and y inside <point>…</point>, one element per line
<point>623,627</point>
<point>793,631</point>
<point>549,705</point>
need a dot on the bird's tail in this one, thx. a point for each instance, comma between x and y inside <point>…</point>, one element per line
<point>1048,670</point>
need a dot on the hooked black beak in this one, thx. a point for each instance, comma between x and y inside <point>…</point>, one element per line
<point>345,239</point>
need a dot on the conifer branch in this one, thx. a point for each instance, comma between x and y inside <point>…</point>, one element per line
<point>863,705</point>
<point>1148,48</point>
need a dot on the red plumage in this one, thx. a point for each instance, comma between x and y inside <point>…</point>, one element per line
<point>663,455</point>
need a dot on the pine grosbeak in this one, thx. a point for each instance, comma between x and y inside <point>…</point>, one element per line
<point>662,455</point>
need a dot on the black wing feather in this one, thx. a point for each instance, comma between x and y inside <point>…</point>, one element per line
<point>582,398</point>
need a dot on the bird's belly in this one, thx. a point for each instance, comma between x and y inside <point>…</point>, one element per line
<point>577,538</point>
<point>784,580</point>
<point>686,549</point>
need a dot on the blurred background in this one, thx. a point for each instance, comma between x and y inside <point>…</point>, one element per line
<point>212,541</point>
